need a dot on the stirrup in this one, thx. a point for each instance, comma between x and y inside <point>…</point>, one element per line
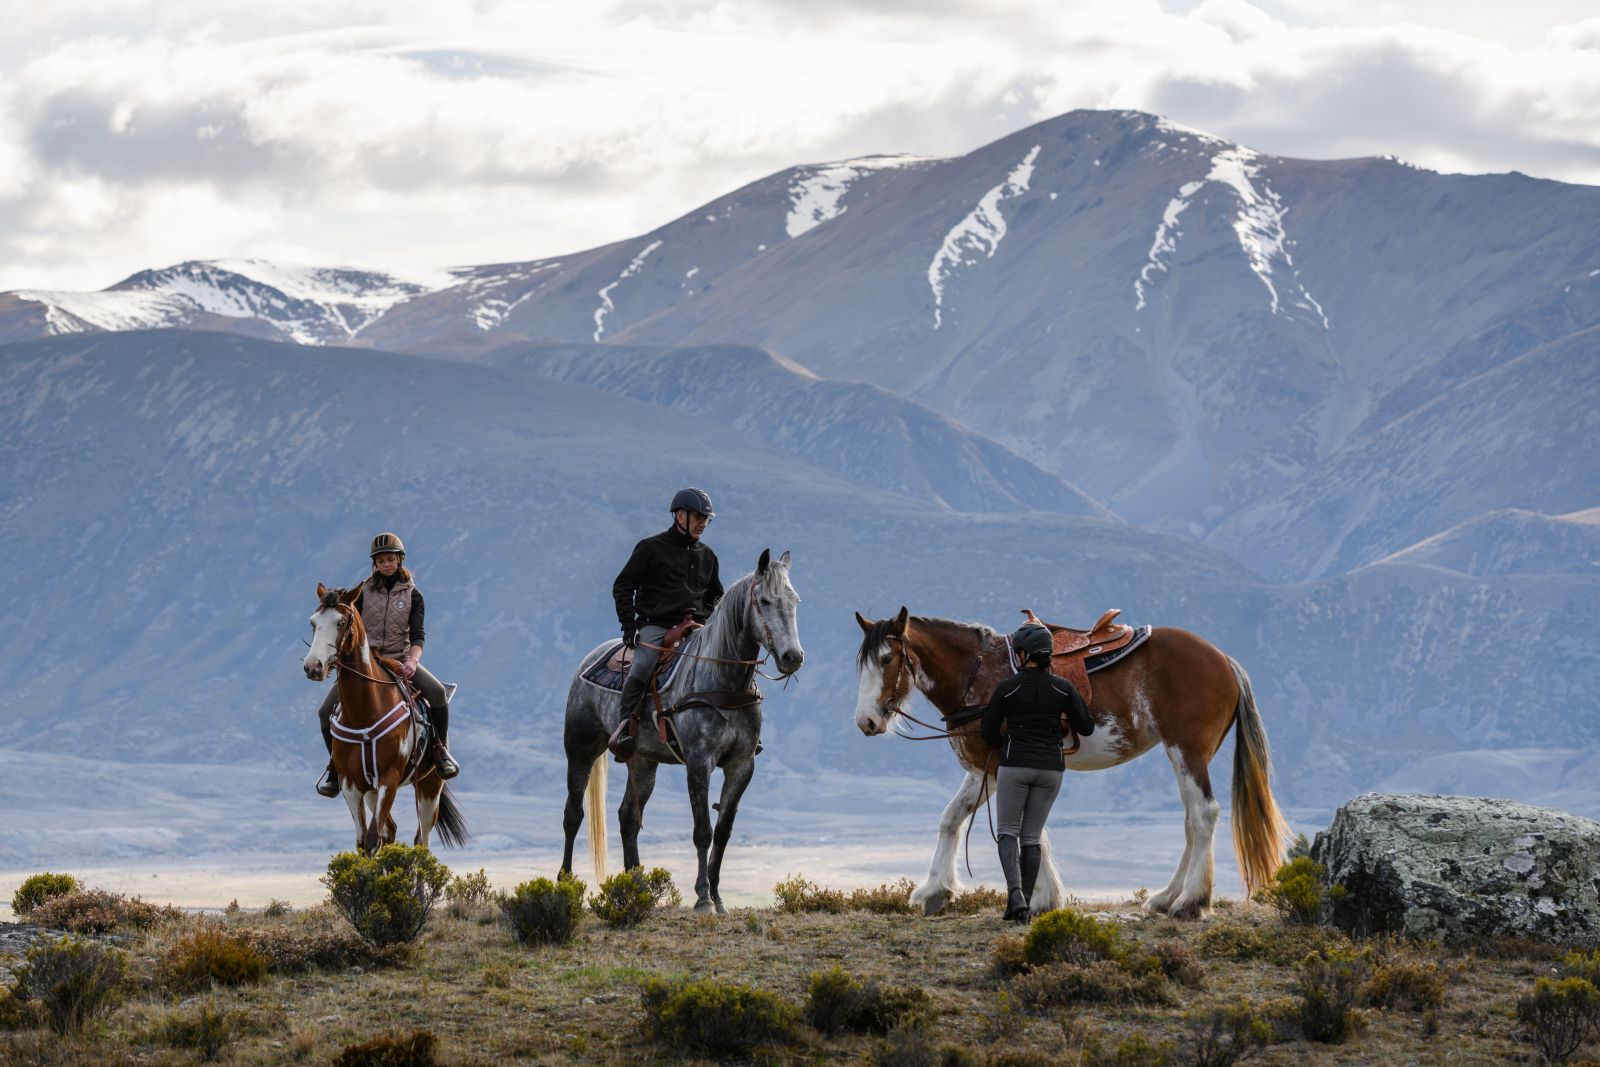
<point>444,764</point>
<point>328,784</point>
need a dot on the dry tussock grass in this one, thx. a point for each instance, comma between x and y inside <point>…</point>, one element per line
<point>491,1001</point>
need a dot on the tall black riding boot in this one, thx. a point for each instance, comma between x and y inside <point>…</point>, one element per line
<point>328,784</point>
<point>627,744</point>
<point>443,762</point>
<point>1011,863</point>
<point>1032,856</point>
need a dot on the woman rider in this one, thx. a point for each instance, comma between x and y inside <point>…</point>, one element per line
<point>391,609</point>
<point>1030,704</point>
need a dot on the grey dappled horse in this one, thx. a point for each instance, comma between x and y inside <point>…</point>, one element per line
<point>756,612</point>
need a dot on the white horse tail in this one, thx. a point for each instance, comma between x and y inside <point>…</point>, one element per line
<point>1260,834</point>
<point>595,801</point>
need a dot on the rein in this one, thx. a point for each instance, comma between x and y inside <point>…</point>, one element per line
<point>758,663</point>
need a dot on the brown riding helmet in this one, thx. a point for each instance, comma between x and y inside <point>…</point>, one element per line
<point>388,542</point>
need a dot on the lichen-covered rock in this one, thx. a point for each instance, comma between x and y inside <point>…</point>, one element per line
<point>1462,867</point>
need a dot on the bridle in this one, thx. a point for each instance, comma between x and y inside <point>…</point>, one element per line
<point>344,650</point>
<point>906,667</point>
<point>766,648</point>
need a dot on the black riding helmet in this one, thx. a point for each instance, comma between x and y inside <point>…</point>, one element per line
<point>693,500</point>
<point>1033,641</point>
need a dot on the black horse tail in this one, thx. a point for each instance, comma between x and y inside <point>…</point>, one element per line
<point>451,826</point>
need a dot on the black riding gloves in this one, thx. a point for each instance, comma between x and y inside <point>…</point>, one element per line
<point>630,639</point>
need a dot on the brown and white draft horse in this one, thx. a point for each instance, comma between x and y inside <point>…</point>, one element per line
<point>1177,690</point>
<point>371,773</point>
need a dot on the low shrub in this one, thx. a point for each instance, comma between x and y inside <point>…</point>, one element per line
<point>387,896</point>
<point>913,1047</point>
<point>210,955</point>
<point>1225,1035</point>
<point>420,1049</point>
<point>1558,1015</point>
<point>72,979</point>
<point>1179,963</point>
<point>1059,985</point>
<point>289,951</point>
<point>542,912</point>
<point>40,888</point>
<point>97,911</point>
<point>838,1002</point>
<point>1300,846</point>
<point>798,894</point>
<point>628,897</point>
<point>469,890</point>
<point>717,1019</point>
<point>1067,936</point>
<point>1008,955</point>
<point>976,900</point>
<point>15,1012</point>
<point>893,898</point>
<point>1298,891</point>
<point>277,909</point>
<point>207,1029</point>
<point>1330,983</point>
<point>1282,945</point>
<point>1136,1050</point>
<point>1581,964</point>
<point>1413,984</point>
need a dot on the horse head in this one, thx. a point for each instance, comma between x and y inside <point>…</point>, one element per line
<point>331,629</point>
<point>884,669</point>
<point>774,607</point>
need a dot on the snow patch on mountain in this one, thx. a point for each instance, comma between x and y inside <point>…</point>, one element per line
<point>817,193</point>
<point>311,305</point>
<point>1166,239</point>
<point>490,311</point>
<point>1258,226</point>
<point>111,309</point>
<point>606,306</point>
<point>981,231</point>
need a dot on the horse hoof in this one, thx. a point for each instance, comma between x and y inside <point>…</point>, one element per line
<point>702,906</point>
<point>935,904</point>
<point>720,909</point>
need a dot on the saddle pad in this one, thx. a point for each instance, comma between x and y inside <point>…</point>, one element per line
<point>1095,663</point>
<point>600,672</point>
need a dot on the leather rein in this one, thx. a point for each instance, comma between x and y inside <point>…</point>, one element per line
<point>720,700</point>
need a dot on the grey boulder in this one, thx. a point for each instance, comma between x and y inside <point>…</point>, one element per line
<point>1462,867</point>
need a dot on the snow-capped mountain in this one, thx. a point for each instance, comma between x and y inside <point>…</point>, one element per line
<point>309,305</point>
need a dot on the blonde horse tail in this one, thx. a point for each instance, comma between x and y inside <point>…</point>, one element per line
<point>1260,834</point>
<point>595,801</point>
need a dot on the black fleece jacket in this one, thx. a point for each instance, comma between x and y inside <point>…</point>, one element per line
<point>1031,703</point>
<point>668,576</point>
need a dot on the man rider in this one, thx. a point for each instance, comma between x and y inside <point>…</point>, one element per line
<point>669,576</point>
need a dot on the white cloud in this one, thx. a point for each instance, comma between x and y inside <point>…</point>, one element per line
<point>444,131</point>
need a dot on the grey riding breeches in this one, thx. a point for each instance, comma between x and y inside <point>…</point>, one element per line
<point>1023,797</point>
<point>645,659</point>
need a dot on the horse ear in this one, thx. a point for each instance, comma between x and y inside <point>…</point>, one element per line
<point>784,559</point>
<point>766,558</point>
<point>866,627</point>
<point>899,626</point>
<point>322,591</point>
<point>351,594</point>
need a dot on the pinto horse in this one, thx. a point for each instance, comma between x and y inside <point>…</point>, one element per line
<point>371,703</point>
<point>718,718</point>
<point>1177,690</point>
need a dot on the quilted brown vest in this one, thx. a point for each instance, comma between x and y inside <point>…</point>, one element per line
<point>386,613</point>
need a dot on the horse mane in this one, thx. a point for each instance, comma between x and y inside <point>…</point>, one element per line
<point>724,625</point>
<point>876,634</point>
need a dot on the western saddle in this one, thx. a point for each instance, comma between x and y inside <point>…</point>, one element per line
<point>624,739</point>
<point>1071,647</point>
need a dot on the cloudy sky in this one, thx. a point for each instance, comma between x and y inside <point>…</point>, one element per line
<point>422,133</point>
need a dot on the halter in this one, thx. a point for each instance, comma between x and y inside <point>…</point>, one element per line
<point>941,731</point>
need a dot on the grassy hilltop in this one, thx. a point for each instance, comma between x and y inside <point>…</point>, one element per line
<point>857,979</point>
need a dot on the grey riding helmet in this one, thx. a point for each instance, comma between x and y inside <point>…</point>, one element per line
<point>387,542</point>
<point>1033,641</point>
<point>694,500</point>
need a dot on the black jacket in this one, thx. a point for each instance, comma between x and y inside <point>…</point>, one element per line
<point>1031,703</point>
<point>667,577</point>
